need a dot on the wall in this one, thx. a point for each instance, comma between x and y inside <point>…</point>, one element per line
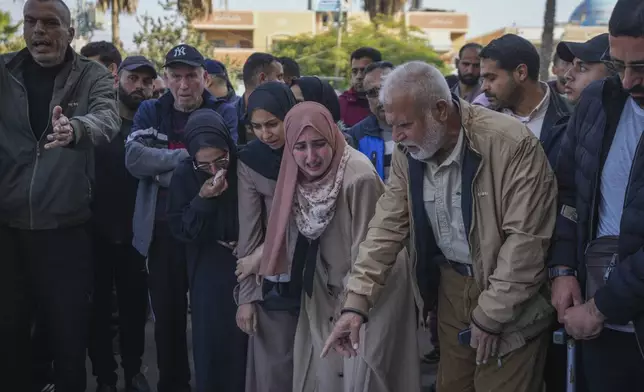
<point>272,25</point>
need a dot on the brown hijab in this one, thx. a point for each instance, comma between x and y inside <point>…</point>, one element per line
<point>307,200</point>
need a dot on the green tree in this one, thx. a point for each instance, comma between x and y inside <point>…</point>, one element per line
<point>319,55</point>
<point>387,8</point>
<point>118,7</point>
<point>10,35</point>
<point>158,35</point>
<point>198,8</point>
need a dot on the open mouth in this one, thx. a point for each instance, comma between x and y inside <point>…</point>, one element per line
<point>40,44</point>
<point>314,167</point>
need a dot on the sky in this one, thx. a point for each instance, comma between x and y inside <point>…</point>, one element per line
<point>485,15</point>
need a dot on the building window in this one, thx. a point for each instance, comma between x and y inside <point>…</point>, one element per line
<point>219,43</point>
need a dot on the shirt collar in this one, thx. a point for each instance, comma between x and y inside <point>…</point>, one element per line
<point>537,111</point>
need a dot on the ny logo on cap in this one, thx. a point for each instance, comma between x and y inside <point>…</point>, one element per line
<point>180,51</point>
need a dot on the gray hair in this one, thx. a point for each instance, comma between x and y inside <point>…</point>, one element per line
<point>421,81</point>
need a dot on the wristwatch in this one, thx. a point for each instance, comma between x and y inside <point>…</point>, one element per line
<point>555,272</point>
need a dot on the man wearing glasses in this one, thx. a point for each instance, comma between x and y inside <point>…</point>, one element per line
<point>373,136</point>
<point>152,151</point>
<point>596,262</point>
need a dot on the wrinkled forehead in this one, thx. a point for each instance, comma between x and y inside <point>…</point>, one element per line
<point>402,107</point>
<point>182,70</point>
<point>47,10</point>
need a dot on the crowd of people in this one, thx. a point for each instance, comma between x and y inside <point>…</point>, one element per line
<point>308,235</point>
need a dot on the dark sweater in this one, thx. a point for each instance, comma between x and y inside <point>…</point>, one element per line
<point>115,190</point>
<point>39,82</point>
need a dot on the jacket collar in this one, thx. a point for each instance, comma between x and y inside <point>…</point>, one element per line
<point>371,126</point>
<point>558,108</point>
<point>74,66</point>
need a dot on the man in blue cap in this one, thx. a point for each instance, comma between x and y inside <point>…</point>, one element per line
<point>218,83</point>
<point>152,151</point>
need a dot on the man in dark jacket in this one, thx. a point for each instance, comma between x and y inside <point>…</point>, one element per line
<point>372,136</point>
<point>61,105</point>
<point>152,151</point>
<point>510,72</point>
<point>218,83</point>
<point>468,65</point>
<point>601,173</point>
<point>586,65</point>
<point>116,261</point>
<point>354,106</point>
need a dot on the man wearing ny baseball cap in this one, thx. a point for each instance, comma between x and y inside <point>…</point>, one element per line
<point>218,82</point>
<point>587,66</point>
<point>115,259</point>
<point>153,150</point>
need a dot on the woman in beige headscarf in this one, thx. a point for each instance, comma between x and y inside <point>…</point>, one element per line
<point>325,197</point>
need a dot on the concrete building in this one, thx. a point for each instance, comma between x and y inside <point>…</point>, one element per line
<point>237,34</point>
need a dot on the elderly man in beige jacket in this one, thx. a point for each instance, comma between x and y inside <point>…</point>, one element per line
<point>473,197</point>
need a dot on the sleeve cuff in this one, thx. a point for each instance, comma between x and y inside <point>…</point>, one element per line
<point>562,255</point>
<point>365,319</point>
<point>356,303</point>
<point>483,322</point>
<point>610,306</point>
<point>79,130</point>
<point>203,205</point>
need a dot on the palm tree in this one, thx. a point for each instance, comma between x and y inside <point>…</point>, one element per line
<point>196,8</point>
<point>383,7</point>
<point>117,7</point>
<point>547,38</point>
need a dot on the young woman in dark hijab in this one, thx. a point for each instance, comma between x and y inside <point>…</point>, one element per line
<point>202,213</point>
<point>312,88</point>
<point>268,317</point>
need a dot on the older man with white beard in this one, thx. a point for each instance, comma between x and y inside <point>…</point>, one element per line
<point>472,196</point>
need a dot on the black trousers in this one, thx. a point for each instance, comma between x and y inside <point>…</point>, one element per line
<point>168,283</point>
<point>51,271</point>
<point>613,363</point>
<point>118,265</point>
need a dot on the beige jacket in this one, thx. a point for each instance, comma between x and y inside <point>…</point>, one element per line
<point>384,365</point>
<point>513,216</point>
<point>255,199</point>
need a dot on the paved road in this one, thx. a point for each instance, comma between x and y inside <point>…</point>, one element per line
<point>151,372</point>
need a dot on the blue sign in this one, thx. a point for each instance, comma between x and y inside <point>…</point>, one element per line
<point>329,5</point>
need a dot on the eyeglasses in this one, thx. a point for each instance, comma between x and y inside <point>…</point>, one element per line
<point>619,66</point>
<point>219,163</point>
<point>373,93</point>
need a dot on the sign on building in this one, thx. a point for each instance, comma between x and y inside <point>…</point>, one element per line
<point>331,5</point>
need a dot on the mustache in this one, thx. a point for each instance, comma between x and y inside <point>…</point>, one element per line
<point>636,90</point>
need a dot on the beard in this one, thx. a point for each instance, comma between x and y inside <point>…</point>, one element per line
<point>637,90</point>
<point>433,141</point>
<point>131,100</point>
<point>468,79</point>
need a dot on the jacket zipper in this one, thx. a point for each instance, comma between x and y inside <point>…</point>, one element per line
<point>469,235</point>
<point>38,153</point>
